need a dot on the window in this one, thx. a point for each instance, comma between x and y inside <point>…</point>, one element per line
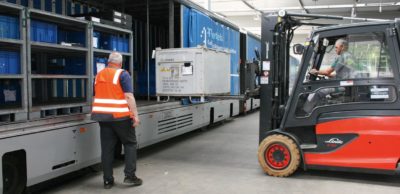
<point>341,95</point>
<point>362,56</point>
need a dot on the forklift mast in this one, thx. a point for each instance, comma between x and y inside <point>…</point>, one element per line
<point>276,36</point>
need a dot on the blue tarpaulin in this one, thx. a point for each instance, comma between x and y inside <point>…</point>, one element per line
<point>200,29</point>
<point>252,44</point>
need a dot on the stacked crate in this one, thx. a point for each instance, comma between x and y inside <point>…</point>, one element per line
<point>64,7</point>
<point>12,76</point>
<point>44,65</point>
<point>106,39</point>
<point>59,58</point>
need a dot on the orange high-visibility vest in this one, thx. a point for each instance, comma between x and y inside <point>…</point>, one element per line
<point>109,97</point>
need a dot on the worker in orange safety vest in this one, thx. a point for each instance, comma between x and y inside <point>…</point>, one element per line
<point>114,107</point>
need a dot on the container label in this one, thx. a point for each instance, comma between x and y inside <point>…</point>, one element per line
<point>118,14</point>
<point>187,70</point>
<point>95,42</point>
<point>10,95</point>
<point>264,80</point>
<point>117,20</point>
<point>94,19</point>
<point>100,66</point>
<point>266,65</point>
<point>171,77</point>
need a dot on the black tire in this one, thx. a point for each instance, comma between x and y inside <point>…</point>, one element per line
<point>14,181</point>
<point>279,155</point>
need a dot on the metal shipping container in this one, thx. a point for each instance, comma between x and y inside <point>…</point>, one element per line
<point>192,72</point>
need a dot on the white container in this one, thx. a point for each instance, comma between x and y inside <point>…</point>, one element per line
<point>192,72</point>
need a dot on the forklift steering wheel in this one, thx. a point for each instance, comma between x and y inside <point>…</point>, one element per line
<point>316,77</point>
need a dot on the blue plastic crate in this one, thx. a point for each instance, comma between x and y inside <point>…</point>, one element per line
<point>96,40</point>
<point>56,66</point>
<point>85,9</point>
<point>79,88</point>
<point>9,27</point>
<point>105,41</point>
<point>93,10</point>
<point>14,62</point>
<point>77,8</point>
<point>123,45</point>
<point>108,42</point>
<point>10,85</point>
<point>25,2</point>
<point>37,4</point>
<point>60,88</point>
<point>48,5</point>
<point>3,62</point>
<point>113,43</point>
<point>69,8</point>
<point>70,88</point>
<point>76,66</point>
<point>59,6</point>
<point>10,62</point>
<point>43,31</point>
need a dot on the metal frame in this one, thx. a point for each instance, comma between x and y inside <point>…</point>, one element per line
<point>38,112</point>
<point>30,112</point>
<point>20,114</point>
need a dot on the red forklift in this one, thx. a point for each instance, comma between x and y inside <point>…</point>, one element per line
<point>349,122</point>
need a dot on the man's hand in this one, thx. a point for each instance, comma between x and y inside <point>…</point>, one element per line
<point>136,121</point>
<point>313,72</point>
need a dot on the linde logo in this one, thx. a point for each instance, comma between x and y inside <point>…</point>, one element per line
<point>334,141</point>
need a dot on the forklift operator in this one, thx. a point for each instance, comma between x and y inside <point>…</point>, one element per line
<point>341,67</point>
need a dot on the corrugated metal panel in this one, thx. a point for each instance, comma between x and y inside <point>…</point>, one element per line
<point>199,29</point>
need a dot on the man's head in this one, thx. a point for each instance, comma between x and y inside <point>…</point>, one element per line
<point>115,59</point>
<point>340,46</point>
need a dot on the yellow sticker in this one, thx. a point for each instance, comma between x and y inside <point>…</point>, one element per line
<point>164,69</point>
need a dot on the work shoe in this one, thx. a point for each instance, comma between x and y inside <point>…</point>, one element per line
<point>108,184</point>
<point>133,181</point>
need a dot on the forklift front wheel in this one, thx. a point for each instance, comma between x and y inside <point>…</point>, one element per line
<point>279,155</point>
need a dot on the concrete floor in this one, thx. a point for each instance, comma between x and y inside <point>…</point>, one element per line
<point>222,159</point>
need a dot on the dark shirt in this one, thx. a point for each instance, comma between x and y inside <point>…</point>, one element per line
<point>126,82</point>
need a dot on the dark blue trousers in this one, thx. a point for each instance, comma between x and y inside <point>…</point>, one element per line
<point>110,132</point>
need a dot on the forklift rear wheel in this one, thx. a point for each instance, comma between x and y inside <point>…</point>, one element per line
<point>279,155</point>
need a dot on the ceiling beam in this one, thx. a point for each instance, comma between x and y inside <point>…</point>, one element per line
<point>251,6</point>
<point>316,7</point>
<point>302,6</point>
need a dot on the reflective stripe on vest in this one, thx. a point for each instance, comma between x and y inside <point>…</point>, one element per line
<point>116,76</point>
<point>109,101</point>
<point>110,110</point>
<point>109,97</point>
